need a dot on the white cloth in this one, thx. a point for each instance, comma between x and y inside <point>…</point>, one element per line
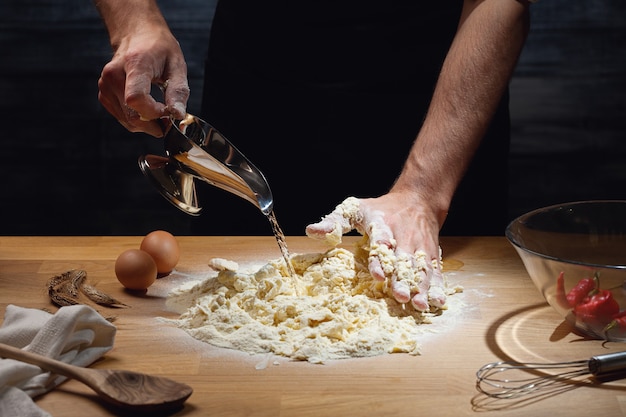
<point>75,334</point>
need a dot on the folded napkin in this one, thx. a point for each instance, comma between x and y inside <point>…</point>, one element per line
<point>74,334</point>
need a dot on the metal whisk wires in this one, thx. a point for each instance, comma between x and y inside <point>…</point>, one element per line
<point>506,380</point>
<point>514,379</point>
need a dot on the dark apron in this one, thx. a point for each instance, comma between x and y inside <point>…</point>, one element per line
<point>326,98</point>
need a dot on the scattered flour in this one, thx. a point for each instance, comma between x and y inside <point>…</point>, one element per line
<point>340,312</point>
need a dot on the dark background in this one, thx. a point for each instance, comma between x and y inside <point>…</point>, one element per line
<point>68,168</point>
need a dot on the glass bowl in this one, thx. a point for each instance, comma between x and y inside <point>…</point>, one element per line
<point>575,254</point>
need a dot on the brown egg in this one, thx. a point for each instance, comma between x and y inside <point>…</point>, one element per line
<point>135,269</point>
<point>164,249</point>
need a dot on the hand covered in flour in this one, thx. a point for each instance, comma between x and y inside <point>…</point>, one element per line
<point>403,245</point>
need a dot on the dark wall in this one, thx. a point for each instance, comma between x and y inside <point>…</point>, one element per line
<point>68,168</point>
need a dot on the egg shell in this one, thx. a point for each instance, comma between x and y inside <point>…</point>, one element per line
<point>135,269</point>
<point>164,249</point>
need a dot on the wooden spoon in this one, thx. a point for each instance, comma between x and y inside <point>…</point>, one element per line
<point>126,389</point>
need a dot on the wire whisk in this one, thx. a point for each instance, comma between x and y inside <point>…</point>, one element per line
<point>514,379</point>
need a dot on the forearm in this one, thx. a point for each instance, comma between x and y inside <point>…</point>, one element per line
<point>124,17</point>
<point>474,76</point>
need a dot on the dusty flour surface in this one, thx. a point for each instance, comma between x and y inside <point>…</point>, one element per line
<point>339,310</point>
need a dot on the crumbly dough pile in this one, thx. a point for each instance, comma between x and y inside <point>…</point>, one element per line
<point>338,311</point>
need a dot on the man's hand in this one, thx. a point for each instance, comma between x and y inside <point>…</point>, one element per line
<point>150,56</point>
<point>403,244</point>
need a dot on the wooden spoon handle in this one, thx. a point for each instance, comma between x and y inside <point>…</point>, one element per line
<point>121,388</point>
<point>44,362</point>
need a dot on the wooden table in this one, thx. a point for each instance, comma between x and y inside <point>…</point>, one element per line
<point>499,316</point>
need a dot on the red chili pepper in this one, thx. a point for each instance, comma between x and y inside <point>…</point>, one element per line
<point>581,290</point>
<point>619,321</point>
<point>600,307</point>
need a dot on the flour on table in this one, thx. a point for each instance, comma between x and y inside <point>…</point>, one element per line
<point>220,264</point>
<point>340,312</point>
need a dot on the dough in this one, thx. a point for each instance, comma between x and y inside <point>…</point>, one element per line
<point>340,312</point>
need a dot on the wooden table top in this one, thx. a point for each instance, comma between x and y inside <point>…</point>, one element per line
<point>499,316</point>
